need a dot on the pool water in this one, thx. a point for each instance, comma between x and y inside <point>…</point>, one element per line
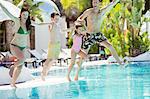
<point>100,82</point>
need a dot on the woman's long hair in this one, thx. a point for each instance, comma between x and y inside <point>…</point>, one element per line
<point>28,21</point>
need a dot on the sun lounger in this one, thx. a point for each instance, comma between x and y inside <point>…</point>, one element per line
<point>94,57</point>
<point>38,58</point>
<point>64,55</point>
<point>145,57</point>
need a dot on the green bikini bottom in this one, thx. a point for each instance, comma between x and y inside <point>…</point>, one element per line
<point>21,48</point>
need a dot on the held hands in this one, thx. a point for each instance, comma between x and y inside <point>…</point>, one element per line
<point>78,21</point>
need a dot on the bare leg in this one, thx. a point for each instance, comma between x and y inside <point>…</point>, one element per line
<point>73,58</point>
<point>16,73</point>
<point>113,51</point>
<point>18,66</point>
<point>82,57</point>
<point>48,63</point>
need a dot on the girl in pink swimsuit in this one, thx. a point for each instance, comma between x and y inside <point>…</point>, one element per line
<point>77,42</point>
<point>76,50</point>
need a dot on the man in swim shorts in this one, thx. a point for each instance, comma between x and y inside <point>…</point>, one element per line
<point>93,28</point>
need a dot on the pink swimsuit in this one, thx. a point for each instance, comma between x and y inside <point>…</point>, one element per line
<point>77,42</point>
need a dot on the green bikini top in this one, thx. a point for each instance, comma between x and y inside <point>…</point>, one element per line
<point>21,31</point>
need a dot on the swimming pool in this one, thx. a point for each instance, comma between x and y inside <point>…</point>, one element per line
<point>100,82</point>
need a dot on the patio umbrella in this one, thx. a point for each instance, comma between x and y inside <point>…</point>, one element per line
<point>47,8</point>
<point>14,10</point>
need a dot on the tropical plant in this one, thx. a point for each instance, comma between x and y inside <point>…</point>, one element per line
<point>127,41</point>
<point>80,4</point>
<point>34,8</point>
<point>73,8</point>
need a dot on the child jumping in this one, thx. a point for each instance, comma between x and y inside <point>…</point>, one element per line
<point>54,46</point>
<point>76,50</point>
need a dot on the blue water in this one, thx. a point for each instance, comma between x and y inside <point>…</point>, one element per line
<point>101,82</point>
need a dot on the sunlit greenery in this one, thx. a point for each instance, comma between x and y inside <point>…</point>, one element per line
<point>34,8</point>
<point>73,8</point>
<point>79,4</point>
<point>126,41</point>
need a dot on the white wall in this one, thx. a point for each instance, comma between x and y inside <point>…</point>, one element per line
<point>63,35</point>
<point>41,37</point>
<point>145,28</point>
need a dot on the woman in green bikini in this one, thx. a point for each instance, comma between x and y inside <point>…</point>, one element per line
<point>20,41</point>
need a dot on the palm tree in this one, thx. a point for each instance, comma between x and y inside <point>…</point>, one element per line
<point>2,37</point>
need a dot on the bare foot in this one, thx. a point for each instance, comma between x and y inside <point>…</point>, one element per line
<point>68,78</point>
<point>76,78</point>
<point>13,85</point>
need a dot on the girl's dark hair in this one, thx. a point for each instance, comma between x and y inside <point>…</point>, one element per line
<point>76,27</point>
<point>28,21</point>
<point>54,14</point>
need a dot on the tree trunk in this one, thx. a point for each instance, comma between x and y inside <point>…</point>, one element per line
<point>9,32</point>
<point>32,38</point>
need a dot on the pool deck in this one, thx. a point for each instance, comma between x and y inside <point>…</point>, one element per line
<point>50,80</point>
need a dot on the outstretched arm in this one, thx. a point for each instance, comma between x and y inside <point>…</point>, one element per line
<point>15,19</point>
<point>20,4</point>
<point>84,15</point>
<point>33,23</point>
<point>112,4</point>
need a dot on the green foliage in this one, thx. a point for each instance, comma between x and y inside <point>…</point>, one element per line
<point>139,44</point>
<point>70,39</point>
<point>94,49</point>
<point>16,2</point>
<point>73,8</point>
<point>70,42</point>
<point>34,8</point>
<point>126,42</point>
<point>79,4</point>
